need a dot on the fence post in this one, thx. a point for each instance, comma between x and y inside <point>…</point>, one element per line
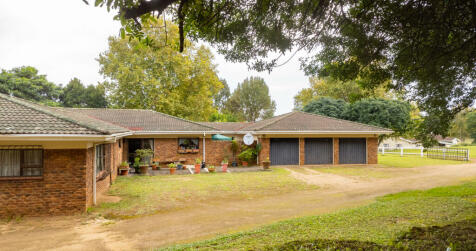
<point>467,154</point>
<point>444,153</point>
<point>383,150</point>
<point>421,154</point>
<point>401,151</point>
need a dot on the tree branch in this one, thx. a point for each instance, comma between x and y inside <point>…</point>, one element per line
<point>145,7</point>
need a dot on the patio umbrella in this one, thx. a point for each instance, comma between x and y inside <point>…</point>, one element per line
<point>221,137</point>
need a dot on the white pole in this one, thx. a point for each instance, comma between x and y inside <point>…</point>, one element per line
<point>421,151</point>
<point>467,155</point>
<point>204,149</point>
<point>383,150</point>
<point>94,175</point>
<point>401,151</point>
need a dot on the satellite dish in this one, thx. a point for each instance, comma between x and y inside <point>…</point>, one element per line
<point>248,139</point>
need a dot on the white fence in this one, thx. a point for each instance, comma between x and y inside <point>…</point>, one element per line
<point>402,150</point>
<point>434,152</point>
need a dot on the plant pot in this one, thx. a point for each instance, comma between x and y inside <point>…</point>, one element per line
<point>224,167</point>
<point>144,169</point>
<point>244,163</point>
<point>172,170</point>
<point>197,168</point>
<point>124,172</point>
<point>266,164</point>
<point>234,164</point>
<point>211,170</point>
<point>179,166</point>
<point>154,167</point>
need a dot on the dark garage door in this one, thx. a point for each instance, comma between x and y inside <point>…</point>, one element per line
<point>318,151</point>
<point>352,151</point>
<point>284,152</point>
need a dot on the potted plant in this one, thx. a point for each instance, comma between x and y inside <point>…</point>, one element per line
<point>211,169</point>
<point>266,163</point>
<point>144,155</point>
<point>136,165</point>
<point>179,166</point>
<point>224,165</point>
<point>246,156</point>
<point>154,165</point>
<point>198,165</point>
<point>172,168</point>
<point>124,168</point>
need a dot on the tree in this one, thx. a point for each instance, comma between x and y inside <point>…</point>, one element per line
<point>25,82</point>
<point>427,46</point>
<point>251,101</point>
<point>160,78</point>
<point>458,126</point>
<point>349,91</point>
<point>471,125</point>
<point>222,96</point>
<point>393,114</point>
<point>76,95</point>
<point>327,106</point>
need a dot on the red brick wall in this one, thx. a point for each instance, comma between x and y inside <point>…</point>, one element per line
<point>301,151</point>
<point>264,154</point>
<point>336,151</point>
<point>61,191</point>
<point>372,150</point>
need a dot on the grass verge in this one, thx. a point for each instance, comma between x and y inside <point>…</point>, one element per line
<point>144,195</point>
<point>413,161</point>
<point>403,220</point>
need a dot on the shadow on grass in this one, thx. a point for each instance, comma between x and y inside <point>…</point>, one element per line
<point>457,236</point>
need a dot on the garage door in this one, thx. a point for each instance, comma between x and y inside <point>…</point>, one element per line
<point>318,151</point>
<point>284,151</point>
<point>352,151</point>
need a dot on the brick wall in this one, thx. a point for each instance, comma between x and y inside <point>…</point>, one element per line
<point>372,150</point>
<point>264,154</point>
<point>62,190</point>
<point>336,151</point>
<point>301,151</point>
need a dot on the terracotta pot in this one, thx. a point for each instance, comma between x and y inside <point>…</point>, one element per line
<point>144,169</point>
<point>224,167</point>
<point>266,164</point>
<point>124,172</point>
<point>154,167</point>
<point>211,170</point>
<point>197,168</point>
<point>172,170</point>
<point>244,163</point>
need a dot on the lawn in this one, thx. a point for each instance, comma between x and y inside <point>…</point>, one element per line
<point>413,161</point>
<point>391,219</point>
<point>144,195</point>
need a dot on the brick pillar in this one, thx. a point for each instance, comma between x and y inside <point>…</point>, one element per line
<point>264,154</point>
<point>336,151</point>
<point>301,151</point>
<point>372,150</point>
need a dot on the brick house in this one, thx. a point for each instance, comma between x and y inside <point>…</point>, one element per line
<point>54,161</point>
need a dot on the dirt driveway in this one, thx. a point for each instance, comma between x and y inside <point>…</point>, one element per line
<point>214,217</point>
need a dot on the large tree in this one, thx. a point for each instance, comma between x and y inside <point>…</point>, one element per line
<point>427,46</point>
<point>471,125</point>
<point>25,82</point>
<point>76,95</point>
<point>349,91</point>
<point>251,101</point>
<point>327,106</point>
<point>160,78</point>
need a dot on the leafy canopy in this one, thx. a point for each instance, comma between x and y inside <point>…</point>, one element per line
<point>76,95</point>
<point>327,106</point>
<point>471,124</point>
<point>251,101</point>
<point>425,47</point>
<point>160,78</point>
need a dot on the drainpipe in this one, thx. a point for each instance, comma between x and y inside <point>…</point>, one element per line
<point>94,175</point>
<point>204,147</point>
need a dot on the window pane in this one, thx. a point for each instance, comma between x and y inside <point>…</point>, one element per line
<point>188,143</point>
<point>9,163</point>
<point>100,158</point>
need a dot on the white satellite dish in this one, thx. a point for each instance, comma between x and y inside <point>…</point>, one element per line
<point>248,139</point>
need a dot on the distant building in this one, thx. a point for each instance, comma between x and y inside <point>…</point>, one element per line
<point>397,142</point>
<point>448,141</point>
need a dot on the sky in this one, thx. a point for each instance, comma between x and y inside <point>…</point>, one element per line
<point>63,38</point>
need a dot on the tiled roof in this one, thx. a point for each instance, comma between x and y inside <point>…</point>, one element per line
<point>227,126</point>
<point>22,117</point>
<point>301,121</point>
<point>141,120</point>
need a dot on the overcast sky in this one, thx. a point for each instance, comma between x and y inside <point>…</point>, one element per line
<point>62,39</point>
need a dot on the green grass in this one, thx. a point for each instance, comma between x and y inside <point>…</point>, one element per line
<point>413,161</point>
<point>380,222</point>
<point>143,195</point>
<point>472,150</point>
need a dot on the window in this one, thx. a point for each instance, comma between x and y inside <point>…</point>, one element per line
<point>134,144</point>
<point>399,145</point>
<point>21,162</point>
<point>100,158</point>
<point>188,143</point>
<point>385,145</point>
